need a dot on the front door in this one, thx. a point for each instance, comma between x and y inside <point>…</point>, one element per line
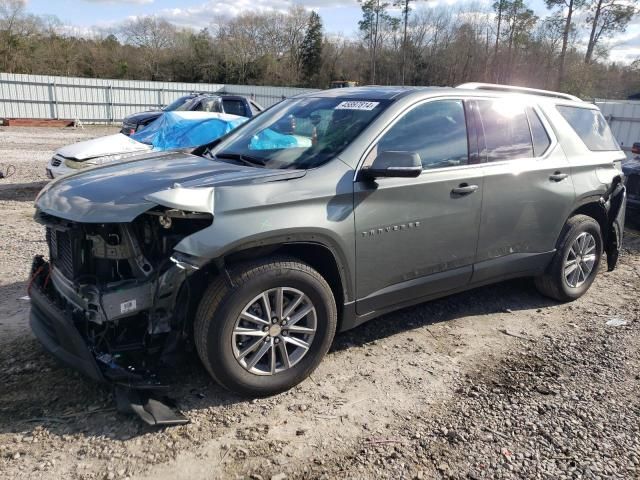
<point>416,237</point>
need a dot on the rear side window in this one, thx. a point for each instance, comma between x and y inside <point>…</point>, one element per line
<point>591,127</point>
<point>436,131</point>
<point>234,107</point>
<point>506,130</point>
<point>208,105</point>
<point>541,140</point>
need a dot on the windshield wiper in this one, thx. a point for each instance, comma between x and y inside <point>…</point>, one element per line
<point>246,159</point>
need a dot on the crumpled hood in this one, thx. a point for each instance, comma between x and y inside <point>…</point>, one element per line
<point>116,193</point>
<point>631,166</point>
<point>102,146</point>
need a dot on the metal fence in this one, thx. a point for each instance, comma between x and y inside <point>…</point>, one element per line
<point>624,118</point>
<point>105,101</point>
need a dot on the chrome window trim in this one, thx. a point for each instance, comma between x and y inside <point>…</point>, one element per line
<point>545,123</point>
<point>529,102</point>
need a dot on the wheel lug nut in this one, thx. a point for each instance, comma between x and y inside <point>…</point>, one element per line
<point>284,334</point>
<point>277,340</point>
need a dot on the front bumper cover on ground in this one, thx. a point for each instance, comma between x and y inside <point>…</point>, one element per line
<point>60,337</point>
<point>56,331</point>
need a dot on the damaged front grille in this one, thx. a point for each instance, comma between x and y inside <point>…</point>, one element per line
<point>112,298</point>
<point>118,279</point>
<point>61,252</point>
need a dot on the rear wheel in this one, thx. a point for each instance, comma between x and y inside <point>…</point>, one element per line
<point>268,331</point>
<point>576,261</point>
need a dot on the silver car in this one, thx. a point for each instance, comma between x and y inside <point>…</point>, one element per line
<point>325,211</point>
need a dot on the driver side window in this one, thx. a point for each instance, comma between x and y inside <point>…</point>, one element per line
<point>436,131</point>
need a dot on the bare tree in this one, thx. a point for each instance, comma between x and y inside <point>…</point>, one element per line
<point>405,9</point>
<point>607,17</point>
<point>152,35</point>
<point>520,21</point>
<point>499,6</point>
<point>16,28</point>
<point>439,46</point>
<point>566,9</point>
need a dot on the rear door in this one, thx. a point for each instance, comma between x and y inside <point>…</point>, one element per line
<point>528,191</point>
<point>417,237</point>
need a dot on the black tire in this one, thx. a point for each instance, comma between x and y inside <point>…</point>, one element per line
<point>222,303</point>
<point>553,283</point>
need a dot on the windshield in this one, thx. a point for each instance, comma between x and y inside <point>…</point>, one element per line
<point>180,102</point>
<point>300,132</point>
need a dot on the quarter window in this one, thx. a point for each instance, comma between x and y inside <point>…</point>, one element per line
<point>591,127</point>
<point>541,140</point>
<point>234,107</point>
<point>436,131</point>
<point>506,130</point>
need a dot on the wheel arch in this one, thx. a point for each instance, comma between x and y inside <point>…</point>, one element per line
<point>608,210</point>
<point>594,209</point>
<point>325,258</point>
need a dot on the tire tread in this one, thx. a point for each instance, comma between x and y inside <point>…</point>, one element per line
<point>547,283</point>
<point>219,290</point>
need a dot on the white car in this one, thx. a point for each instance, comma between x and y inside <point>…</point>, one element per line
<point>172,131</point>
<point>94,152</point>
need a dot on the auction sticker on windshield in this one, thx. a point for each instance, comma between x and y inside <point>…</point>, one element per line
<point>354,105</point>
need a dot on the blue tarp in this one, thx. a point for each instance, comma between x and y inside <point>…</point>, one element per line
<point>174,130</point>
<point>271,140</point>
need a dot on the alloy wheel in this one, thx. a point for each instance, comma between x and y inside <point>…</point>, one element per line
<point>274,331</point>
<point>580,260</point>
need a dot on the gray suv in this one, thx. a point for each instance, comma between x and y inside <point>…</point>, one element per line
<point>328,210</point>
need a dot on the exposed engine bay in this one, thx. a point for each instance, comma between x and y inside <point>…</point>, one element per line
<point>120,288</point>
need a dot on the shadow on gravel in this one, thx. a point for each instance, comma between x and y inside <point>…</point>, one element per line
<point>21,192</point>
<point>509,296</point>
<point>13,312</point>
<point>632,231</point>
<point>36,390</point>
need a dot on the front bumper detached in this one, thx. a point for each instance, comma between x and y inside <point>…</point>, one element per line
<point>59,336</point>
<point>136,390</point>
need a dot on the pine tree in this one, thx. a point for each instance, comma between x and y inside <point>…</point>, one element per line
<point>311,49</point>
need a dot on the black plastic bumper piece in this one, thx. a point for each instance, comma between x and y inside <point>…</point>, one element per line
<point>151,410</point>
<point>59,336</point>
<point>55,330</point>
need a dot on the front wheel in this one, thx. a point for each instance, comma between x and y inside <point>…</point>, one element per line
<point>576,261</point>
<point>267,329</point>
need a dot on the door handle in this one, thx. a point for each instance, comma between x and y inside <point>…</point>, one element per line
<point>464,189</point>
<point>558,176</point>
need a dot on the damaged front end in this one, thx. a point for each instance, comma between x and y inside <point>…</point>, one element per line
<point>614,203</point>
<point>112,301</point>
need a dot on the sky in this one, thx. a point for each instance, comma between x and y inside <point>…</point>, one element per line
<point>339,16</point>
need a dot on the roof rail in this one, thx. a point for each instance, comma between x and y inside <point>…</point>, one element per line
<point>510,88</point>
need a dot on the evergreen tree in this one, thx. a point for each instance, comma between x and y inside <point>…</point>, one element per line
<point>311,49</point>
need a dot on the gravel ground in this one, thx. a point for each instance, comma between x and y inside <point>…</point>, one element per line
<point>30,148</point>
<point>498,382</point>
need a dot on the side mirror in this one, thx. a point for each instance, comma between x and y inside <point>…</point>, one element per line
<point>394,164</point>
